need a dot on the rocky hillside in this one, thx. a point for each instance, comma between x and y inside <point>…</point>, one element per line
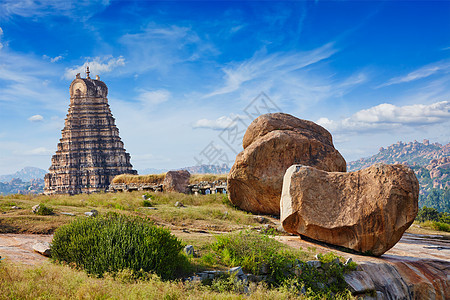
<point>430,162</point>
<point>29,180</point>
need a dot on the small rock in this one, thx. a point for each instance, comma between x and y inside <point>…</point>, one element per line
<point>179,204</point>
<point>67,214</point>
<point>151,208</point>
<point>92,213</point>
<point>15,207</point>
<point>144,197</point>
<point>281,229</point>
<point>260,219</point>
<point>42,248</point>
<point>35,208</point>
<point>189,250</point>
<point>314,263</point>
<point>236,270</point>
<point>349,260</point>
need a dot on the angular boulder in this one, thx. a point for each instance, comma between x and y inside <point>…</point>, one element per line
<point>367,210</point>
<point>176,181</point>
<point>272,143</point>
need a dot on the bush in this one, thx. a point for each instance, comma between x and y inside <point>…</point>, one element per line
<point>440,226</point>
<point>44,210</point>
<point>116,242</point>
<point>256,253</point>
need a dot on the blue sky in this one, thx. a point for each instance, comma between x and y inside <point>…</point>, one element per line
<point>179,73</point>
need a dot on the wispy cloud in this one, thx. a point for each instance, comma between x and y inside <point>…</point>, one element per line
<point>1,35</point>
<point>262,65</point>
<point>153,98</point>
<point>36,118</point>
<point>218,124</point>
<point>53,59</point>
<point>442,66</point>
<point>76,9</point>
<point>38,151</point>
<point>97,65</point>
<point>160,47</point>
<point>389,116</point>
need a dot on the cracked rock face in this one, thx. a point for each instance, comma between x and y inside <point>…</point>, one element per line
<point>272,143</point>
<point>367,211</point>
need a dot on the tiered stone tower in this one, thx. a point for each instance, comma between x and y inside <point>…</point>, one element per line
<point>90,152</point>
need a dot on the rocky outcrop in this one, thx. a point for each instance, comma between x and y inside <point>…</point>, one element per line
<point>272,143</point>
<point>176,181</point>
<point>401,280</point>
<point>367,211</point>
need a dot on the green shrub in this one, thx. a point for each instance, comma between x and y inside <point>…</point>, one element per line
<point>146,203</point>
<point>257,254</point>
<point>44,210</point>
<point>116,242</point>
<point>440,226</point>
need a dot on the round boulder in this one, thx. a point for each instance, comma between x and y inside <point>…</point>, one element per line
<point>272,143</point>
<point>176,181</point>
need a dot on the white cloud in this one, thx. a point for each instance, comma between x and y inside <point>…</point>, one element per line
<point>389,116</point>
<point>53,59</point>
<point>262,66</point>
<point>159,48</point>
<point>442,66</point>
<point>38,151</point>
<point>218,124</point>
<point>75,9</point>
<point>151,98</point>
<point>36,118</point>
<point>1,34</point>
<point>97,66</point>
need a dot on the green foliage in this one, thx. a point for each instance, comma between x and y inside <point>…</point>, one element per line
<point>44,210</point>
<point>440,226</point>
<point>436,198</point>
<point>255,253</point>
<point>117,242</point>
<point>427,214</point>
<point>146,203</point>
<point>261,255</point>
<point>227,283</point>
<point>431,214</point>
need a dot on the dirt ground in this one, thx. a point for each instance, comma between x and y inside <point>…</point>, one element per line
<point>18,248</point>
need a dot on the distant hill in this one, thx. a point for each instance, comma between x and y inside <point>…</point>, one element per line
<point>430,162</point>
<point>208,169</point>
<point>26,174</point>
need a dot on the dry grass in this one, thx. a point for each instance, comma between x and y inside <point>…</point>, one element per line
<point>60,282</point>
<point>149,179</point>
<point>203,212</point>
<point>196,178</point>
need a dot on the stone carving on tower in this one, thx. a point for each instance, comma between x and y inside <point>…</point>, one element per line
<point>90,153</point>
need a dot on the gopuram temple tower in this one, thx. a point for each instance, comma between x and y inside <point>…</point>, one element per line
<point>90,152</point>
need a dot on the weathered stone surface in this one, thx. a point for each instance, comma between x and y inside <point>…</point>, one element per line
<point>367,210</point>
<point>42,248</point>
<point>90,153</point>
<point>272,143</point>
<point>176,181</point>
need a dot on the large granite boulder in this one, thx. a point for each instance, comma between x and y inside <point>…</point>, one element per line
<point>366,210</point>
<point>176,181</point>
<point>272,143</point>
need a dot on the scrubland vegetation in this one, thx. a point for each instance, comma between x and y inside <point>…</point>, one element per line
<point>135,255</point>
<point>150,178</point>
<point>429,217</point>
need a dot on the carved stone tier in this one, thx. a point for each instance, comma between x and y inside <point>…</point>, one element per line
<point>90,153</point>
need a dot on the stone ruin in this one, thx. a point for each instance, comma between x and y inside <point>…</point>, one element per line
<point>90,153</point>
<point>174,181</point>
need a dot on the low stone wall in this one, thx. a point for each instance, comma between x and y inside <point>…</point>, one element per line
<point>202,188</point>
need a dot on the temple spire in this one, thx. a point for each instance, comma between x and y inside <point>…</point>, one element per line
<point>87,73</point>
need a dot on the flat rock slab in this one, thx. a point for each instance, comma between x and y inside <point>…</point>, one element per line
<point>18,248</point>
<point>414,268</point>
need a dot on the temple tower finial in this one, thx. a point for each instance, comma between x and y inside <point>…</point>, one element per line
<point>87,73</point>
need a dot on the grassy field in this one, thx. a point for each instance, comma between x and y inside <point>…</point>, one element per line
<point>197,222</point>
<point>206,212</point>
